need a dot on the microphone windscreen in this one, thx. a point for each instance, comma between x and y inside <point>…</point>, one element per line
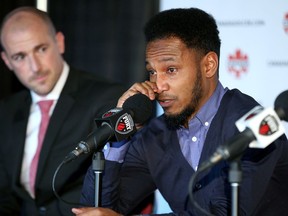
<point>281,105</point>
<point>141,106</point>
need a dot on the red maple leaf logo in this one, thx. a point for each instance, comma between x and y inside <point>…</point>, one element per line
<point>238,63</point>
<point>285,23</point>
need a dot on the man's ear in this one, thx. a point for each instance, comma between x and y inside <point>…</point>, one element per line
<point>211,64</point>
<point>6,60</point>
<point>60,40</point>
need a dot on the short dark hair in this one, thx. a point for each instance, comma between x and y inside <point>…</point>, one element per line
<point>196,28</point>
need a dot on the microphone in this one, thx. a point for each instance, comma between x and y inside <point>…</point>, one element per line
<point>265,125</point>
<point>281,105</point>
<point>115,125</point>
<point>259,128</point>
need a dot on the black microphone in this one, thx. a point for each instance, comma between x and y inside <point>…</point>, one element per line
<point>281,105</point>
<point>115,125</point>
<point>259,128</point>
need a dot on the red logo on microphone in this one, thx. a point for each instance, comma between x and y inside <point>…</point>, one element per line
<point>110,112</point>
<point>254,113</point>
<point>125,124</point>
<point>268,126</point>
<point>238,63</point>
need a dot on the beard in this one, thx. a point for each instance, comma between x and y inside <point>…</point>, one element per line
<point>175,121</point>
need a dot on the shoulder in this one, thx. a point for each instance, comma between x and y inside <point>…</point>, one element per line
<point>14,100</point>
<point>233,106</point>
<point>234,101</point>
<point>14,107</point>
<point>86,80</point>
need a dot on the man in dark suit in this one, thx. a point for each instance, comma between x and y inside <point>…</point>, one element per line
<point>33,50</point>
<point>182,58</point>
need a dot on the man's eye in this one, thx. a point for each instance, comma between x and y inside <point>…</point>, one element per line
<point>151,72</point>
<point>18,57</point>
<point>172,70</point>
<point>42,49</point>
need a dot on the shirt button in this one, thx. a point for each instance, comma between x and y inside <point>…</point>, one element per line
<point>198,186</point>
<point>206,124</point>
<point>194,139</point>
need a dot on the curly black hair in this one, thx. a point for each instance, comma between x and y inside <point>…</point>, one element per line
<point>196,28</point>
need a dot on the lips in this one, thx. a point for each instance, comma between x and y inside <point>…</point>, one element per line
<point>166,102</point>
<point>40,78</point>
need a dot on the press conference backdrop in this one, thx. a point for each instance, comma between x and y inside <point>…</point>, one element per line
<point>254,57</point>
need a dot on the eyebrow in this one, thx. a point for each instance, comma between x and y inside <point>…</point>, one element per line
<point>35,48</point>
<point>163,60</point>
<point>17,54</point>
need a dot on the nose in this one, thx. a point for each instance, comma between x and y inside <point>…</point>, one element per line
<point>34,63</point>
<point>162,84</point>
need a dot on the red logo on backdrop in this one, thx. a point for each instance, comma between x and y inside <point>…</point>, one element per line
<point>238,63</point>
<point>285,23</point>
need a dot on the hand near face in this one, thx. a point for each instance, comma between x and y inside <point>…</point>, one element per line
<point>147,88</point>
<point>91,211</point>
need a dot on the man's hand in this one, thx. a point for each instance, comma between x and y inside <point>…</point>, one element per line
<point>91,211</point>
<point>147,88</point>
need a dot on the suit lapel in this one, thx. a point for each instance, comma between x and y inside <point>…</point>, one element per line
<point>19,128</point>
<point>63,107</point>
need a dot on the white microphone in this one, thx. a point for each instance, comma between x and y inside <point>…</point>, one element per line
<point>259,128</point>
<point>265,125</point>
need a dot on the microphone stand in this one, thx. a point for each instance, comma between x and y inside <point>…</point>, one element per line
<point>98,167</point>
<point>235,178</point>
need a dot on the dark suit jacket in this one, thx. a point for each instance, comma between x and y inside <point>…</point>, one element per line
<point>154,160</point>
<point>82,99</point>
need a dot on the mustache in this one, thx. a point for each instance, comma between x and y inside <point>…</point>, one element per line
<point>38,74</point>
<point>162,97</point>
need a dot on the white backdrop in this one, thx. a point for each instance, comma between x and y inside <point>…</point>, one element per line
<point>254,50</point>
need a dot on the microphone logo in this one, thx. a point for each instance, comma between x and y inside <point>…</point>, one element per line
<point>268,126</point>
<point>253,113</point>
<point>111,112</point>
<point>265,125</point>
<point>125,124</point>
<point>120,120</point>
